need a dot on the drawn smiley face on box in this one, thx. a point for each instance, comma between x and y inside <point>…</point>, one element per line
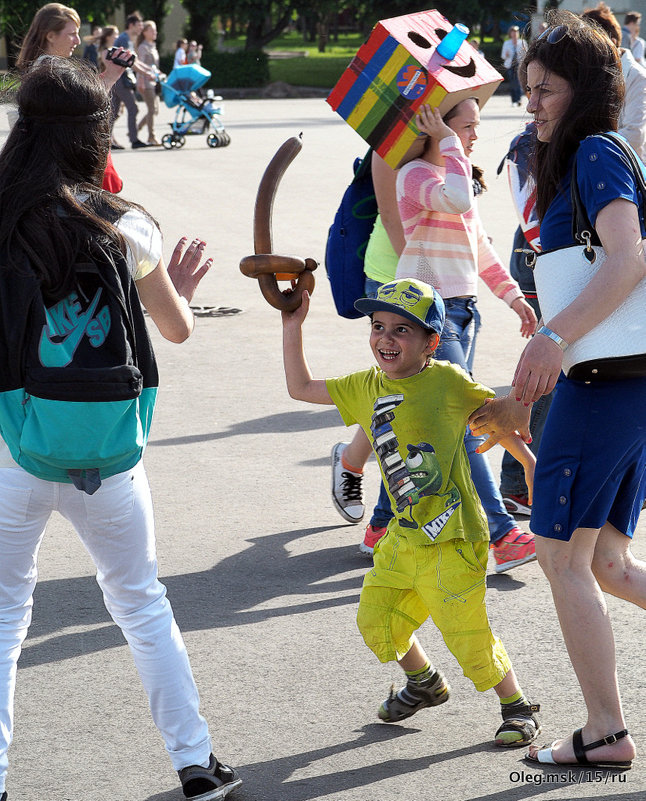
<point>397,70</point>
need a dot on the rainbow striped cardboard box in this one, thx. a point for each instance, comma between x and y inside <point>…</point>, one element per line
<point>396,71</point>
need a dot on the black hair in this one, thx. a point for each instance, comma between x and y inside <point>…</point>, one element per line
<point>51,171</point>
<point>587,59</point>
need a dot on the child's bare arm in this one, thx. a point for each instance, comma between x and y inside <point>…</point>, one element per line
<point>519,450</point>
<point>300,384</point>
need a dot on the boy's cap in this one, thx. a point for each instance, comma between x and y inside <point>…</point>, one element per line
<point>411,298</point>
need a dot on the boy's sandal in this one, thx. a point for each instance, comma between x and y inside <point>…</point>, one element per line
<point>544,756</point>
<point>519,726</point>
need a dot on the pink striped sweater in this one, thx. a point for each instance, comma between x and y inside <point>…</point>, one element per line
<point>446,245</point>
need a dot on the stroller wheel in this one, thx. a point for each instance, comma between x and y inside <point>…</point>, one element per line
<point>218,139</point>
<point>181,141</point>
<point>168,141</point>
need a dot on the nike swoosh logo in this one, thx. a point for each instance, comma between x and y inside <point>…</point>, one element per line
<point>60,354</point>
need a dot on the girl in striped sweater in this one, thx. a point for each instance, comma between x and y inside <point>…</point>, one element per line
<point>447,247</point>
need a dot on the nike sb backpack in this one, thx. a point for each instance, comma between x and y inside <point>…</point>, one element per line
<point>78,378</point>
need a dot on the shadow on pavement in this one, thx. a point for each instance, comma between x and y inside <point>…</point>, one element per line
<point>270,781</point>
<point>223,596</point>
<point>281,423</point>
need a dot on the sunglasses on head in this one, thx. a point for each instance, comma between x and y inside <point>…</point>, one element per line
<point>554,34</point>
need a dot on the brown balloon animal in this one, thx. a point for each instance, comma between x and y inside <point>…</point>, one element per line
<point>267,267</point>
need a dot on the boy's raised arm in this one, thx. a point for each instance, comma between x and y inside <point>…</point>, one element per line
<point>300,384</point>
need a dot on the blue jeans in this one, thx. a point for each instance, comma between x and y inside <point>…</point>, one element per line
<point>457,345</point>
<point>515,89</point>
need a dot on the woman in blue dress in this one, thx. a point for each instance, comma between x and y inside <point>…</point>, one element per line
<point>589,482</point>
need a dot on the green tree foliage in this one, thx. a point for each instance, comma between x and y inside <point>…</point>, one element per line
<point>156,10</point>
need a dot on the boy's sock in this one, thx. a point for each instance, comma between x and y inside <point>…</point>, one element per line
<point>516,698</point>
<point>420,679</point>
<point>520,726</point>
<point>346,464</point>
<point>425,687</point>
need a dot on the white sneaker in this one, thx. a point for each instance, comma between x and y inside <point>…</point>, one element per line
<point>347,488</point>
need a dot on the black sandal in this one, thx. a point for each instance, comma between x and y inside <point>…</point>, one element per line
<point>519,720</point>
<point>544,756</point>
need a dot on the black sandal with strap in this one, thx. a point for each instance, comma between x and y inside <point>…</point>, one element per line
<point>580,749</point>
<point>545,757</point>
<point>521,722</point>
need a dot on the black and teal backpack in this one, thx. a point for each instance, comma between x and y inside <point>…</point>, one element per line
<point>78,378</point>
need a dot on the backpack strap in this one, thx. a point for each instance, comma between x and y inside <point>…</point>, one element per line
<point>582,228</point>
<point>364,170</point>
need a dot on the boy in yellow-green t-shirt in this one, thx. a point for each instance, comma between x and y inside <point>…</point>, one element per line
<point>432,561</point>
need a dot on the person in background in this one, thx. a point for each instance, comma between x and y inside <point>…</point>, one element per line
<point>632,23</point>
<point>194,53</point>
<point>147,53</point>
<point>180,52</point>
<point>54,31</point>
<point>123,91</point>
<point>632,120</point>
<point>91,50</point>
<point>513,488</point>
<point>513,50</point>
<point>385,245</point>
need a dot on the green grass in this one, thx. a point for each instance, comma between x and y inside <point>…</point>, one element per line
<point>311,71</point>
<point>316,69</point>
<point>321,70</point>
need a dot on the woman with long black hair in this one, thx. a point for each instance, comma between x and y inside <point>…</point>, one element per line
<point>52,210</point>
<point>589,483</point>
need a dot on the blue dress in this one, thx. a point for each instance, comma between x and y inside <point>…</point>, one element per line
<point>592,457</point>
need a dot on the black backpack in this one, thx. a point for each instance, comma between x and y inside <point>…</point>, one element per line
<point>78,378</point>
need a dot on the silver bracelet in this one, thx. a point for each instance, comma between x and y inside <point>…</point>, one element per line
<point>553,336</point>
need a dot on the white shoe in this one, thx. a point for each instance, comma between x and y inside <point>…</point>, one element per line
<point>347,488</point>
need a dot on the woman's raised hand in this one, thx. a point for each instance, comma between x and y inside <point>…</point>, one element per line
<point>184,267</point>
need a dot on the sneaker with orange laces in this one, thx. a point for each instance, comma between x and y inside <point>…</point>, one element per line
<point>514,549</point>
<point>372,536</point>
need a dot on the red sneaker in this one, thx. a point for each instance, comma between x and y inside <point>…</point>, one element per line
<point>514,549</point>
<point>371,538</point>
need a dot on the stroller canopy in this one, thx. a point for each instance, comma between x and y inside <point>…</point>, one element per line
<point>182,80</point>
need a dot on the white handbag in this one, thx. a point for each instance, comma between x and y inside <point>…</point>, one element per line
<point>616,348</point>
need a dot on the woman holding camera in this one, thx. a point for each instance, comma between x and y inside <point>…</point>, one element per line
<point>54,31</point>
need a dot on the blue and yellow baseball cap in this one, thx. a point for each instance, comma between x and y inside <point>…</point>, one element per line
<point>416,300</point>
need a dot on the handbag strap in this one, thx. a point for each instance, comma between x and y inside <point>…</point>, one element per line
<point>582,229</point>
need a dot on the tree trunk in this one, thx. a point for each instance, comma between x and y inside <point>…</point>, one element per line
<point>200,27</point>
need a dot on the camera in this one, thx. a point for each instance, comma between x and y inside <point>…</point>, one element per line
<point>122,62</point>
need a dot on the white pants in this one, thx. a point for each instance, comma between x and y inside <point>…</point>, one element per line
<point>116,527</point>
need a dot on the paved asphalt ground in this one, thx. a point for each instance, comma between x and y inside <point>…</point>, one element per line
<point>263,574</point>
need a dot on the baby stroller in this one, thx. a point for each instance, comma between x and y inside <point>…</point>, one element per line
<point>194,114</point>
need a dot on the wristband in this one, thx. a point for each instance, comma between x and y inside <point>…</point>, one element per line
<point>553,336</point>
